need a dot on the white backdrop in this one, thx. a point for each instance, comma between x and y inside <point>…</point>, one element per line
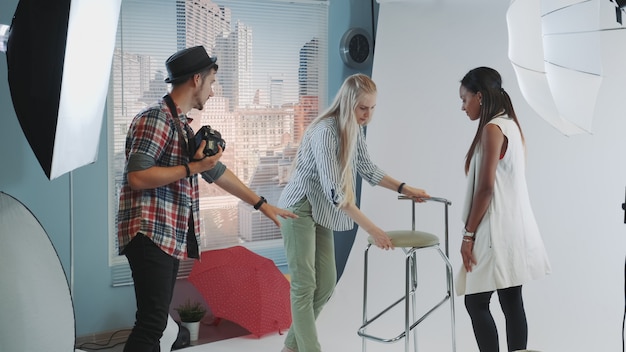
<point>420,135</point>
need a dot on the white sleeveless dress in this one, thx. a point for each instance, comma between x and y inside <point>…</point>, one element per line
<point>509,250</point>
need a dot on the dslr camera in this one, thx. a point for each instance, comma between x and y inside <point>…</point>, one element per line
<point>213,139</point>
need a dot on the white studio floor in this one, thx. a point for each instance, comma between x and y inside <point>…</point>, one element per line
<point>273,342</point>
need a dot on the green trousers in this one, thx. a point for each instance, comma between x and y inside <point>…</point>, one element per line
<point>310,252</point>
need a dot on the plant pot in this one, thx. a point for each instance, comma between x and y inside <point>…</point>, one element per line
<point>193,327</point>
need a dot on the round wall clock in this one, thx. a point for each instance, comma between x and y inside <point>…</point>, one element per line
<point>356,48</point>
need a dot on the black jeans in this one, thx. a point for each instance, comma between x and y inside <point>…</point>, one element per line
<point>154,275</point>
<point>485,327</point>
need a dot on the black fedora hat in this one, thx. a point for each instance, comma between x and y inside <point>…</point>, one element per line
<point>186,62</point>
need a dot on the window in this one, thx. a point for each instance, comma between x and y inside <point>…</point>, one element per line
<point>270,84</point>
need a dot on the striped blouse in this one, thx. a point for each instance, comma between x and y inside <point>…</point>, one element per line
<point>317,175</point>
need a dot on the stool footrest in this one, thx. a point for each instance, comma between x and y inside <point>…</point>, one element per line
<point>361,331</point>
<point>380,339</point>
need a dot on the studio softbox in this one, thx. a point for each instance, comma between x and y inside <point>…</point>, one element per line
<point>59,57</point>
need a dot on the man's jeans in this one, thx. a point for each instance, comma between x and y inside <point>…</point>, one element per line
<point>154,275</point>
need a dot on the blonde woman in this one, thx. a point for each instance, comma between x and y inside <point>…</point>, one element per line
<point>321,191</point>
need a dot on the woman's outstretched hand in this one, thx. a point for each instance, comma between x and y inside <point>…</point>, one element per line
<point>381,240</point>
<point>417,194</point>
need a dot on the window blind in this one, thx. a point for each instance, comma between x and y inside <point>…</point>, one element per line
<point>271,82</point>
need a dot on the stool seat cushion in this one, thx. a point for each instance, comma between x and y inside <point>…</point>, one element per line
<point>408,238</point>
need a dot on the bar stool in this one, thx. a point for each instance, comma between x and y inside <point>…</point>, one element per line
<point>411,242</point>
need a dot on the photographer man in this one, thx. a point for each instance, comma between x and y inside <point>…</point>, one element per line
<point>159,206</point>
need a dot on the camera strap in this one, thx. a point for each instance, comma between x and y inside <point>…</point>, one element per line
<point>184,142</point>
<point>192,243</point>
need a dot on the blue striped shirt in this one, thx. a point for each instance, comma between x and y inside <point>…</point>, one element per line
<point>317,174</point>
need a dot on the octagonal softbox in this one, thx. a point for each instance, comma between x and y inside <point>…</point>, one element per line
<point>59,57</point>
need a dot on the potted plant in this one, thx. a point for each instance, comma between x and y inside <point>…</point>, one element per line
<point>190,314</point>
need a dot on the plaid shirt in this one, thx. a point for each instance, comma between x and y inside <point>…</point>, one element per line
<point>162,213</point>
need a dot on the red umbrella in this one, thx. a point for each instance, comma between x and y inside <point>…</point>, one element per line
<point>245,288</point>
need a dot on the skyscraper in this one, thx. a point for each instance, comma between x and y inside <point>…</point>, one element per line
<point>308,88</point>
<point>200,22</point>
<point>309,70</point>
<point>277,85</point>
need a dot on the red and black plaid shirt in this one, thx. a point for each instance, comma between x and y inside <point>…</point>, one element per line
<point>162,213</point>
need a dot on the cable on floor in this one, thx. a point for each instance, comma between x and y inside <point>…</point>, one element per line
<point>101,346</point>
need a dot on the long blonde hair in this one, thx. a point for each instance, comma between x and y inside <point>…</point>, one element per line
<point>342,110</point>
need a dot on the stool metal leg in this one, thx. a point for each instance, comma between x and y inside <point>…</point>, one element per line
<point>411,319</point>
<point>407,293</point>
<point>450,281</point>
<point>413,292</point>
<point>366,321</point>
<point>363,340</point>
<point>410,301</point>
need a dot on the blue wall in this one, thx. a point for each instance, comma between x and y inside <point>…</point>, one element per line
<point>98,306</point>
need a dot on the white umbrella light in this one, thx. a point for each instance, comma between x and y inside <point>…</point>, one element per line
<point>559,50</point>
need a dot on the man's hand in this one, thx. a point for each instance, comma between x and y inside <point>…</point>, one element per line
<point>206,162</point>
<point>273,213</point>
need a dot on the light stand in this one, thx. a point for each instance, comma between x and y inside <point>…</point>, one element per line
<point>624,319</point>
